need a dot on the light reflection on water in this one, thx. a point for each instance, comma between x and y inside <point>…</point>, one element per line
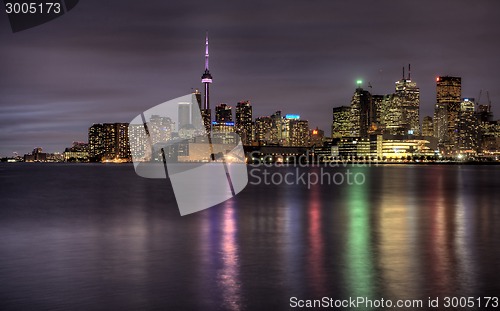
<point>358,255</point>
<point>316,256</point>
<point>228,278</point>
<point>111,240</point>
<point>463,236</point>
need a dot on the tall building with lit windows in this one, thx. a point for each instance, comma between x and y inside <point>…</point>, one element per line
<point>277,129</point>
<point>244,121</point>
<point>96,141</point>
<point>299,133</point>
<point>295,132</point>
<point>116,143</point>
<point>428,127</point>
<point>409,97</point>
<point>223,113</point>
<point>468,128</point>
<point>341,122</point>
<point>399,113</point>
<point>489,130</point>
<point>377,101</point>
<point>316,137</point>
<point>361,112</point>
<point>223,119</point>
<point>160,128</point>
<point>139,142</point>
<point>109,141</point>
<point>263,130</point>
<point>392,114</point>
<point>448,98</point>
<point>223,126</point>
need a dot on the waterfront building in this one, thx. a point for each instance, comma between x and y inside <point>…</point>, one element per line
<point>448,98</point>
<point>316,137</point>
<point>428,127</point>
<point>467,128</point>
<point>96,141</point>
<point>78,152</point>
<point>109,141</point>
<point>361,112</point>
<point>299,133</point>
<point>223,113</point>
<point>341,121</point>
<point>408,94</point>
<point>392,115</point>
<point>263,130</point>
<point>277,129</point>
<point>243,122</point>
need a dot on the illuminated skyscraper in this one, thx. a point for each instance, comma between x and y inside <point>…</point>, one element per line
<point>223,113</point>
<point>263,129</point>
<point>295,131</point>
<point>144,137</point>
<point>489,130</point>
<point>109,141</point>
<point>285,129</point>
<point>409,97</point>
<point>377,101</point>
<point>427,127</point>
<point>448,94</point>
<point>96,142</point>
<point>299,133</point>
<point>244,121</point>
<point>277,128</point>
<point>392,114</point>
<point>160,129</point>
<point>316,137</point>
<point>467,129</point>
<point>484,113</point>
<point>139,142</point>
<point>341,123</point>
<point>361,112</point>
<point>206,79</point>
<point>223,125</point>
<point>399,113</point>
<point>223,119</point>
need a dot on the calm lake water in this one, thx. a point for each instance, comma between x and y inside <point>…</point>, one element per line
<point>98,237</point>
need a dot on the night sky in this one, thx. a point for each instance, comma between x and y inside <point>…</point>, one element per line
<point>107,61</point>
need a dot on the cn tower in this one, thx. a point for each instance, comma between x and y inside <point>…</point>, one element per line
<point>206,78</point>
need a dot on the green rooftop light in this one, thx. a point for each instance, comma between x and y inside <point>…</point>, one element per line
<point>359,82</point>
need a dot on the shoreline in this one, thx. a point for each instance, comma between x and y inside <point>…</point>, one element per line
<point>292,164</point>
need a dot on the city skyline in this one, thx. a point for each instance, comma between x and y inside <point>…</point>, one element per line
<point>107,77</point>
<point>388,114</point>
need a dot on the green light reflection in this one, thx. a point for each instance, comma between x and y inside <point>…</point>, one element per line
<point>360,272</point>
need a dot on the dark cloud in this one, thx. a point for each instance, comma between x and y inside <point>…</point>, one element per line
<point>105,61</point>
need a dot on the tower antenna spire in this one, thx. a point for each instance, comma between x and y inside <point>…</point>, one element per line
<point>409,71</point>
<point>206,51</point>
<point>404,72</point>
